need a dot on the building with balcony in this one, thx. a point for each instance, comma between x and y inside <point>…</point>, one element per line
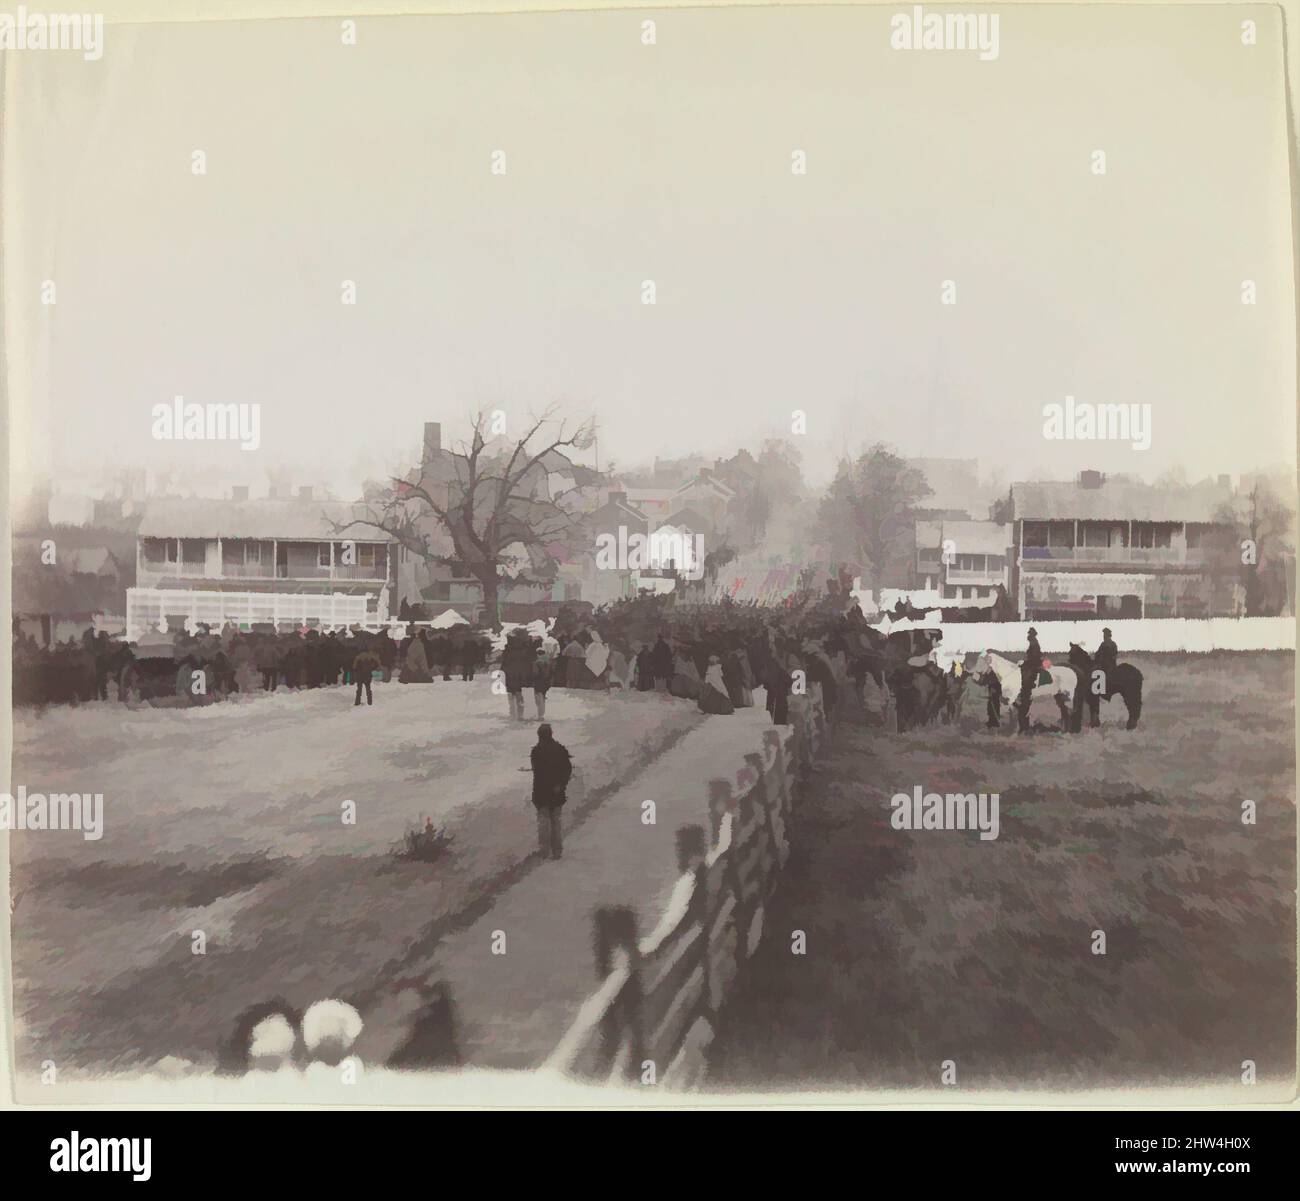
<point>1120,548</point>
<point>240,550</point>
<point>964,561</point>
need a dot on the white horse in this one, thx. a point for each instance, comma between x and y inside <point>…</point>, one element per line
<point>1061,689</point>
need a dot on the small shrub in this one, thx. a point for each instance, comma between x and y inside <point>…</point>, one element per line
<point>424,844</point>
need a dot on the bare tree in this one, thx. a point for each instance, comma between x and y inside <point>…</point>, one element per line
<point>485,497</point>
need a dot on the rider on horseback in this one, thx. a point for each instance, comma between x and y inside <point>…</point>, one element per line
<point>1107,654</point>
<point>1029,669</point>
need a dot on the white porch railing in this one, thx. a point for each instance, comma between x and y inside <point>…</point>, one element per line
<point>146,608</point>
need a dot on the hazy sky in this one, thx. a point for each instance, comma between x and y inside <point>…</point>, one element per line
<point>671,163</point>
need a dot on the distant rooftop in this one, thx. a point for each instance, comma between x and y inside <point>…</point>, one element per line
<point>262,519</point>
<point>1119,500</point>
<point>971,537</point>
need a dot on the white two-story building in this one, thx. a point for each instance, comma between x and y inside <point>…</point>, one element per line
<point>246,561</point>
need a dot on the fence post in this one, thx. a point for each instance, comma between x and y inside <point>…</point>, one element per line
<point>783,800</point>
<point>719,804</point>
<point>615,929</point>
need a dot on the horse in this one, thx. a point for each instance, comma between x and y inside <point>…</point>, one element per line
<point>955,682</point>
<point>1062,687</point>
<point>918,687</point>
<point>1125,679</point>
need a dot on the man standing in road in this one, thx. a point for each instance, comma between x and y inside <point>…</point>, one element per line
<point>552,768</point>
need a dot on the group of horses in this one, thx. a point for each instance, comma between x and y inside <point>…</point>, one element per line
<point>902,665</point>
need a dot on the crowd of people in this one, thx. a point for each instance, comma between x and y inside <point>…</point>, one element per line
<point>713,654</point>
<point>208,665</point>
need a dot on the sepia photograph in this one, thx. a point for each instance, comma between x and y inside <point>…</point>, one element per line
<point>684,557</point>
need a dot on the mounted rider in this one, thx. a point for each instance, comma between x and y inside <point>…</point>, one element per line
<point>1029,671</point>
<point>1107,654</point>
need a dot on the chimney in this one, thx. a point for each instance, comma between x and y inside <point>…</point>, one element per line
<point>1090,479</point>
<point>432,440</point>
<point>239,492</point>
<point>304,493</point>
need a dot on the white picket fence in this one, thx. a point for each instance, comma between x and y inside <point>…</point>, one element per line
<point>1154,634</point>
<point>147,607</point>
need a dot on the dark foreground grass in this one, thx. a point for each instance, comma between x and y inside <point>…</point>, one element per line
<point>933,945</point>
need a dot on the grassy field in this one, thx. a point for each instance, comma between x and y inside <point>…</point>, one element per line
<point>933,945</point>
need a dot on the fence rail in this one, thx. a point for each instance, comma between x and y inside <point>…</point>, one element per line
<point>659,995</point>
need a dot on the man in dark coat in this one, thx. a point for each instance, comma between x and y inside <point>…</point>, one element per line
<point>291,661</point>
<point>333,658</point>
<point>552,769</point>
<point>470,651</point>
<point>543,674</point>
<point>661,663</point>
<point>311,659</point>
<point>442,653</point>
<point>363,667</point>
<point>645,674</point>
<point>778,692</point>
<point>1107,653</point>
<point>517,667</point>
<point>1029,669</point>
<point>993,697</point>
<point>266,661</point>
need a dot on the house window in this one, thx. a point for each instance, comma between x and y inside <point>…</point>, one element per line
<point>1150,534</point>
<point>252,552</point>
<point>1060,533</point>
<point>1035,533</point>
<point>366,554</point>
<point>160,550</point>
<point>323,554</point>
<point>1100,534</point>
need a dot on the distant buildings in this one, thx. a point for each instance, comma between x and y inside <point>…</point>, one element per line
<point>962,560</point>
<point>61,588</point>
<point>1119,548</point>
<point>1089,547</point>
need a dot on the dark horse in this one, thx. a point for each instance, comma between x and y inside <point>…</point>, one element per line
<point>1125,680</point>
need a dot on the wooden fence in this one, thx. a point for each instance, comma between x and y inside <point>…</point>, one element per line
<point>653,1014</point>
